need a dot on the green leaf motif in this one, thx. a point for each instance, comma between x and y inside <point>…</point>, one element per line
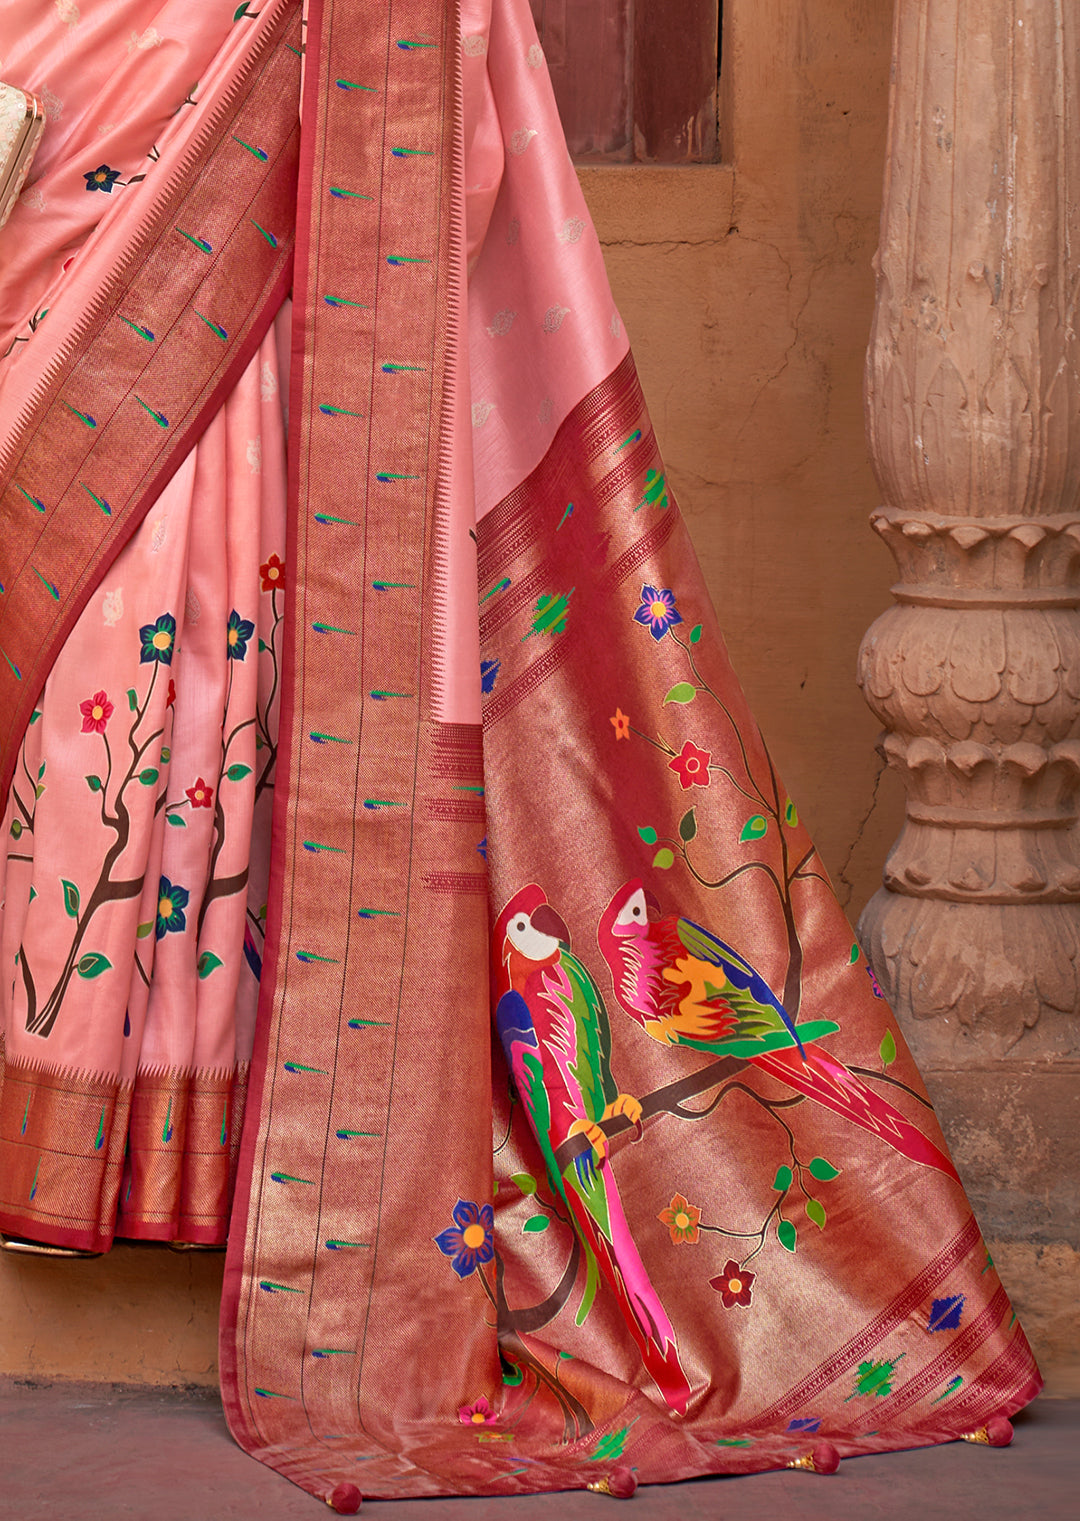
<point>887,1049</point>
<point>787,1235</point>
<point>695,633</point>
<point>875,1378</point>
<point>166,755</point>
<point>41,770</point>
<point>782,1181</point>
<point>524,1181</point>
<point>176,820</point>
<point>39,789</point>
<point>16,828</point>
<point>647,833</point>
<point>823,1171</point>
<point>511,1374</point>
<point>92,964</point>
<point>149,776</point>
<point>535,1224</point>
<point>551,614</point>
<point>71,898</point>
<point>237,772</point>
<point>791,814</point>
<point>94,783</point>
<point>663,858</point>
<point>144,930</point>
<point>688,826</point>
<point>854,953</point>
<point>755,828</point>
<point>816,1212</point>
<point>682,691</point>
<point>133,698</point>
<point>207,963</point>
<point>610,1446</point>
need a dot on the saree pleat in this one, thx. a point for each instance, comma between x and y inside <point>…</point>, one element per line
<point>580,1147</point>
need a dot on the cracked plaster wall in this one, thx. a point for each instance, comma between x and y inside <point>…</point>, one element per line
<point>747,291</point>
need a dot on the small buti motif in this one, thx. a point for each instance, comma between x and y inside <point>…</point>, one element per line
<point>553,318</point>
<point>268,385</point>
<point>54,106</point>
<point>192,607</point>
<point>501,323</point>
<point>159,532</point>
<point>520,140</point>
<point>254,455</point>
<point>32,198</point>
<point>547,410</point>
<point>151,38</point>
<point>481,411</point>
<point>535,56</point>
<point>513,231</point>
<point>68,12</point>
<point>474,46</point>
<point>112,606</point>
<point>616,324</point>
<point>571,230</point>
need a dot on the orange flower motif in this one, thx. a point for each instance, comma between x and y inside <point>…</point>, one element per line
<point>273,574</point>
<point>621,724</point>
<point>681,1220</point>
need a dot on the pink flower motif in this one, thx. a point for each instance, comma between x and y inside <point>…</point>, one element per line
<point>734,1285</point>
<point>692,766</point>
<point>479,1413</point>
<point>96,712</point>
<point>201,795</point>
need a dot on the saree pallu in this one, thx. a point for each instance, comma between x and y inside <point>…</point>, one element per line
<point>533,876</point>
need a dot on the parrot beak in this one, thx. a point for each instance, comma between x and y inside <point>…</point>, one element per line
<point>547,921</point>
<point>652,902</point>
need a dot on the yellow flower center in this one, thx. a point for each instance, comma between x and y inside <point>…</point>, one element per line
<point>233,635</point>
<point>101,177</point>
<point>478,1418</point>
<point>162,639</point>
<point>165,908</point>
<point>734,1285</point>
<point>682,1220</point>
<point>473,1235</point>
<point>97,712</point>
<point>272,572</point>
<point>659,609</point>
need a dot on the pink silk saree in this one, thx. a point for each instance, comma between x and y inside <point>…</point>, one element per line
<point>580,1148</point>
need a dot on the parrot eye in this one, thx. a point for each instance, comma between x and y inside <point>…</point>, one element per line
<point>634,910</point>
<point>531,942</point>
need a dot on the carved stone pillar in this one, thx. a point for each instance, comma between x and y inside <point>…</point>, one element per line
<point>973,403</point>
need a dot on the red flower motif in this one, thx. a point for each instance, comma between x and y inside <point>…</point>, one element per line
<point>479,1413</point>
<point>273,574</point>
<point>96,712</point>
<point>172,693</point>
<point>621,724</point>
<point>201,796</point>
<point>692,766</point>
<point>734,1285</point>
<point>681,1220</point>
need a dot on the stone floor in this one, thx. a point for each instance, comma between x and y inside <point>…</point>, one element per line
<point>106,1452</point>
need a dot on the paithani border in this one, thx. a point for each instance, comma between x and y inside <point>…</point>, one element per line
<point>146,1159</point>
<point>377,899</point>
<point>169,335</point>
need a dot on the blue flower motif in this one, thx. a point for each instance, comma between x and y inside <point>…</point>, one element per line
<point>489,670</point>
<point>808,1423</point>
<point>470,1240</point>
<point>158,640</point>
<point>657,612</point>
<point>481,849</point>
<point>102,178</point>
<point>172,902</point>
<point>240,631</point>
